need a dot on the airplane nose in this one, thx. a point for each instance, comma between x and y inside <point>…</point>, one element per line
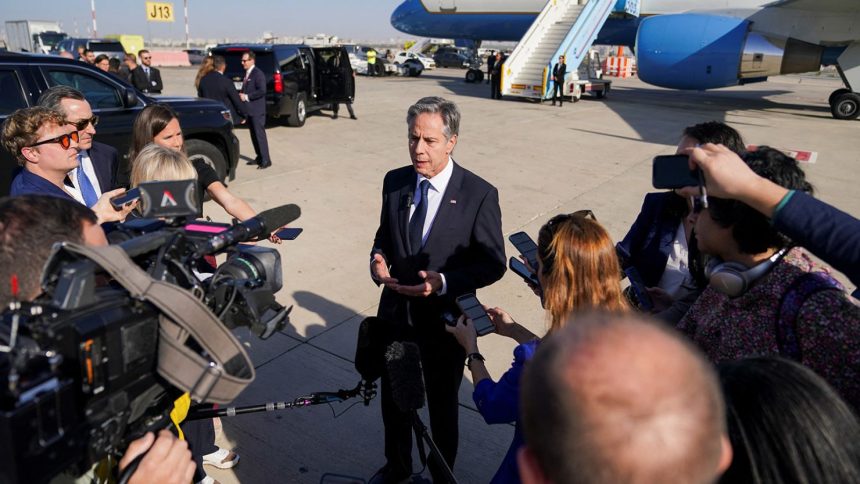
<point>402,17</point>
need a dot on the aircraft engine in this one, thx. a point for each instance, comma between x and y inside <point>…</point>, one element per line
<point>696,51</point>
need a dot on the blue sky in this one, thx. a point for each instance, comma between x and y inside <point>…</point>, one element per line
<point>217,19</point>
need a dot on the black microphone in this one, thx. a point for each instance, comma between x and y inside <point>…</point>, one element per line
<point>403,363</point>
<point>262,224</point>
<point>373,336</point>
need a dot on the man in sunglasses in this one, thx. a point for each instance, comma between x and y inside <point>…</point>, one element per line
<point>46,147</point>
<point>145,77</point>
<point>97,162</point>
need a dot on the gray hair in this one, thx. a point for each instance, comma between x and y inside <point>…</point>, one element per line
<point>434,104</point>
<point>53,97</point>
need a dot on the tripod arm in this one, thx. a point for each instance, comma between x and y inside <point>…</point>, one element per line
<point>362,389</point>
<point>421,433</point>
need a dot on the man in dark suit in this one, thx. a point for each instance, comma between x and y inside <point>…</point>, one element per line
<point>440,236</point>
<point>145,77</point>
<point>491,62</point>
<point>97,162</point>
<point>558,73</point>
<point>254,94</point>
<point>215,86</point>
<point>496,81</point>
<point>46,147</point>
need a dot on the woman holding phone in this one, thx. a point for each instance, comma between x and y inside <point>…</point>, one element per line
<point>577,270</point>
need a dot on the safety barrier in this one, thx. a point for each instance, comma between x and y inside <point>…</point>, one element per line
<point>169,58</point>
<point>619,66</point>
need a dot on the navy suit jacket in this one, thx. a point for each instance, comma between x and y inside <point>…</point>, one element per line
<point>465,244</point>
<point>826,231</point>
<point>105,162</point>
<point>216,86</point>
<point>255,88</point>
<point>649,240</point>
<point>26,183</point>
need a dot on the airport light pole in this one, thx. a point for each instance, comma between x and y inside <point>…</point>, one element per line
<point>187,43</point>
<point>93,8</point>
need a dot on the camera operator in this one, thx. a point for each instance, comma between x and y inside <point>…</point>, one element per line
<point>661,243</point>
<point>621,399</point>
<point>45,145</point>
<point>577,270</point>
<point>31,225</point>
<point>765,295</point>
<point>820,228</point>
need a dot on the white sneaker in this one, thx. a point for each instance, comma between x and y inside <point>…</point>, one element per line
<point>222,459</point>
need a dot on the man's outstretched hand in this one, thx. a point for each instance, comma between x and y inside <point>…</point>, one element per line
<point>432,284</point>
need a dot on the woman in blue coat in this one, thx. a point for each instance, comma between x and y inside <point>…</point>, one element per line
<point>577,270</point>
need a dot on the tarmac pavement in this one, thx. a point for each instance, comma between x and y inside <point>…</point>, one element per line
<point>544,160</point>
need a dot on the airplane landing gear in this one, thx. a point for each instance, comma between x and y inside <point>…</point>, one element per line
<point>844,104</point>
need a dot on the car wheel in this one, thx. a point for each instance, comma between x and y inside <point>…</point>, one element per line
<point>846,106</point>
<point>300,112</point>
<point>471,76</point>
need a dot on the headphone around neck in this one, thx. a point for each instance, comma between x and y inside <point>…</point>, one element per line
<point>733,278</point>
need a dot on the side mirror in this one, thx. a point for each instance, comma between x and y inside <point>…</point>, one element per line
<point>130,98</point>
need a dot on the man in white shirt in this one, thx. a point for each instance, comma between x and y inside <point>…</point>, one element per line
<point>439,237</point>
<point>97,162</point>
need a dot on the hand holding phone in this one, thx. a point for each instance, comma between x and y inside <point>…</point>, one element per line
<point>643,300</point>
<point>472,309</point>
<point>127,197</point>
<point>521,270</point>
<point>673,171</point>
<point>289,233</point>
<point>526,247</point>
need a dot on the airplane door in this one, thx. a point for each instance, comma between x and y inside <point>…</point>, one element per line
<point>447,5</point>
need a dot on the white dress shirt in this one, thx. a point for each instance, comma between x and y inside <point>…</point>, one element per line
<point>677,271</point>
<point>89,171</point>
<point>438,185</point>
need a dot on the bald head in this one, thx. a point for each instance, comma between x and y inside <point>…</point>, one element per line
<point>619,399</point>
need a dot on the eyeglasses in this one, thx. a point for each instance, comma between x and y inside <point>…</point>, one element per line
<point>83,123</point>
<point>65,140</point>
<point>246,60</point>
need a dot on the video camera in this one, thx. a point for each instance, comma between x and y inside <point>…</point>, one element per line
<point>95,361</point>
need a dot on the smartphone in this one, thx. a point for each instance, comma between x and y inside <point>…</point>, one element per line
<point>288,233</point>
<point>521,270</point>
<point>673,171</point>
<point>525,246</point>
<point>638,286</point>
<point>126,197</point>
<point>472,308</point>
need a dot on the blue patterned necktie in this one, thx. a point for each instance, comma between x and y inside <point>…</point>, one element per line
<point>85,186</point>
<point>416,225</point>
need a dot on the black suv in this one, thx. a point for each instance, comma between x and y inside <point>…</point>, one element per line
<point>206,125</point>
<point>300,79</point>
<point>108,47</point>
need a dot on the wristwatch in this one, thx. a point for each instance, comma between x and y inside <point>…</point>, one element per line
<point>472,357</point>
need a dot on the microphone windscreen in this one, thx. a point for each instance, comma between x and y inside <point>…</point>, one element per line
<point>370,348</point>
<point>403,364</point>
<point>279,216</point>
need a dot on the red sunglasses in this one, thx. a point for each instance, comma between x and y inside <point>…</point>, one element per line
<point>65,140</point>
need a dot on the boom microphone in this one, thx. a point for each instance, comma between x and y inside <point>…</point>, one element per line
<point>262,224</point>
<point>403,363</point>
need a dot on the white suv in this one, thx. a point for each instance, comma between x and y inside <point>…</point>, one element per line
<point>426,61</point>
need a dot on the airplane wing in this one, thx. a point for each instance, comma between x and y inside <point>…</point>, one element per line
<point>845,6</point>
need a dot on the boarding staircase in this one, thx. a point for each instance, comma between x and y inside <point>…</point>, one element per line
<point>564,27</point>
